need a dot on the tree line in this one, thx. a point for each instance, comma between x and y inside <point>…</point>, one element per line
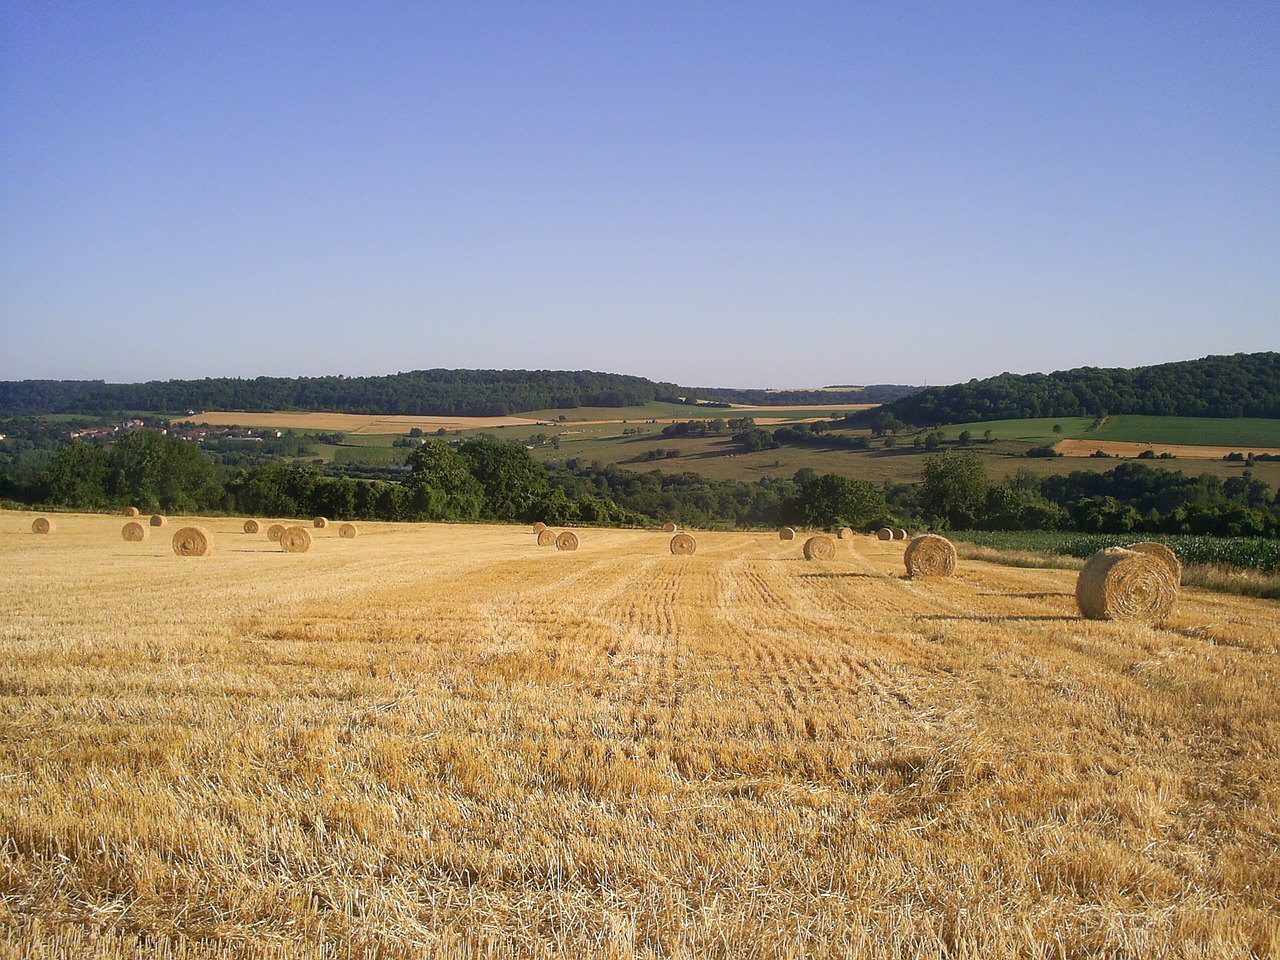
<point>1241,385</point>
<point>484,478</point>
<point>461,393</point>
<point>470,393</point>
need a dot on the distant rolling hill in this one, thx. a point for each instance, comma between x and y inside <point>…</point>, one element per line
<point>1241,385</point>
<point>445,393</point>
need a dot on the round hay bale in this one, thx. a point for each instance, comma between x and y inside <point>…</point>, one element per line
<point>683,545</point>
<point>157,520</point>
<point>930,556</point>
<point>320,523</point>
<point>884,533</point>
<point>1128,585</point>
<point>296,539</point>
<point>192,542</point>
<point>669,527</point>
<point>132,512</point>
<point>546,538</point>
<point>846,533</point>
<point>42,525</point>
<point>348,531</point>
<point>275,532</point>
<point>252,526</point>
<point>1166,555</point>
<point>786,533</point>
<point>539,527</point>
<point>820,547</point>
<point>899,534</point>
<point>134,532</point>
<point>568,540</point>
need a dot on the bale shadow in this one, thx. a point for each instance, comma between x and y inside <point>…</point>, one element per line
<point>944,616</point>
<point>841,576</point>
<point>1027,596</point>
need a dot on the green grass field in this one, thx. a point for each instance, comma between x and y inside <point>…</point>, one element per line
<point>1035,432</point>
<point>1195,431</point>
<point>1244,433</point>
<point>380,455</point>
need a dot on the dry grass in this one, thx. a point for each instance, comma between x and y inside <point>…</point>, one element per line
<point>1120,584</point>
<point>683,545</point>
<point>471,751</point>
<point>930,555</point>
<point>134,532</point>
<point>192,542</point>
<point>819,548</point>
<point>1124,448</point>
<point>295,539</point>
<point>353,422</point>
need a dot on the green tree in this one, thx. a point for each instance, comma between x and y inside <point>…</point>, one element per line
<point>885,422</point>
<point>954,489</point>
<point>76,477</point>
<point>277,490</point>
<point>440,485</point>
<point>835,501</point>
<point>159,472</point>
<point>514,483</point>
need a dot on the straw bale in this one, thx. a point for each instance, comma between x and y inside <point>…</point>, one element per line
<point>930,556</point>
<point>192,542</point>
<point>539,527</point>
<point>786,533</point>
<point>568,540</point>
<point>669,527</point>
<point>42,525</point>
<point>884,533</point>
<point>157,520</point>
<point>1166,554</point>
<point>252,526</point>
<point>899,534</point>
<point>546,538</point>
<point>683,545</point>
<point>320,523</point>
<point>132,511</point>
<point>846,533</point>
<point>1129,585</point>
<point>275,532</point>
<point>135,532</point>
<point>296,539</point>
<point>348,531</point>
<point>820,547</point>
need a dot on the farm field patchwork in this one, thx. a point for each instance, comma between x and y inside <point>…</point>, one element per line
<point>441,740</point>
<point>1128,435</point>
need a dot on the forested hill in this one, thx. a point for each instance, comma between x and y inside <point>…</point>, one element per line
<point>443,393</point>
<point>872,393</point>
<point>1241,385</point>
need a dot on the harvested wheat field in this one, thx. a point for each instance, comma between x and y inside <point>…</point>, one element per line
<point>437,741</point>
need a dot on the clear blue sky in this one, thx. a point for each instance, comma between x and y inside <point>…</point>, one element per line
<point>727,194</point>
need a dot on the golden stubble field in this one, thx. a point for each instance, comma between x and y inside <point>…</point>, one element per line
<point>446,741</point>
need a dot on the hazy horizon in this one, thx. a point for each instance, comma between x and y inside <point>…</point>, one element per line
<point>706,195</point>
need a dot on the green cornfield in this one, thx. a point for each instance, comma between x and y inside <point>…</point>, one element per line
<point>1248,553</point>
